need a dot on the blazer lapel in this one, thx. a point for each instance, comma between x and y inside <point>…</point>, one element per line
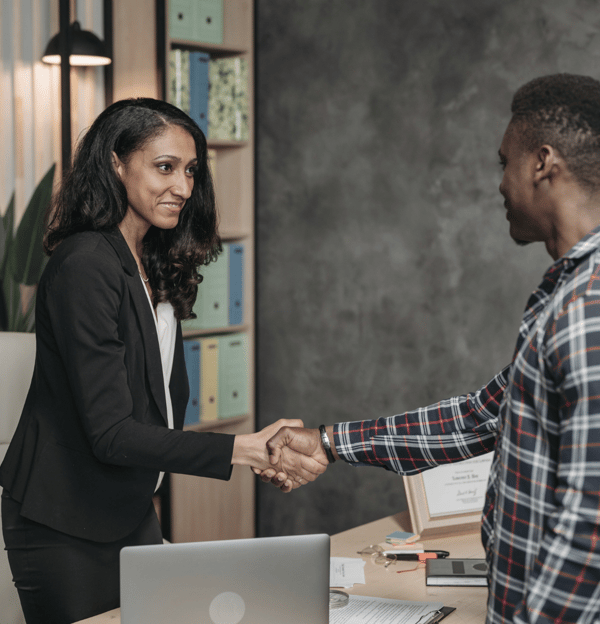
<point>145,317</point>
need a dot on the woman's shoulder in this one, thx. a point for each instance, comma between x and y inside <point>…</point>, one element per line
<point>83,254</point>
<point>82,242</point>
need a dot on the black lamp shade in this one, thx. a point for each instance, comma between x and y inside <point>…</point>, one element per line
<point>86,48</point>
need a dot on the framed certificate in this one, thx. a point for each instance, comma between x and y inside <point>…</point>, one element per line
<point>448,499</point>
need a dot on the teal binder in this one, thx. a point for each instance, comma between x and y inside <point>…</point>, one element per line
<point>196,20</point>
<point>208,21</point>
<point>191,353</point>
<point>233,375</point>
<point>181,19</point>
<point>211,305</point>
<point>199,89</point>
<point>236,284</point>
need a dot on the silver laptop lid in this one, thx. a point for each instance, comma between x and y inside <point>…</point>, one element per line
<point>268,580</point>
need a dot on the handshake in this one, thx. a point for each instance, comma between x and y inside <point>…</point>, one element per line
<point>284,453</point>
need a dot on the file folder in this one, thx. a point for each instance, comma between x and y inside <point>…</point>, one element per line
<point>179,85</point>
<point>236,284</point>
<point>233,375</point>
<point>209,379</point>
<point>211,306</point>
<point>196,20</point>
<point>191,352</point>
<point>199,89</point>
<point>228,99</point>
<point>181,19</point>
<point>208,21</point>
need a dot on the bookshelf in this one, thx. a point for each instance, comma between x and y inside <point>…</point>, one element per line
<point>207,509</point>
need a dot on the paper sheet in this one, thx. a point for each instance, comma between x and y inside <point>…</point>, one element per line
<point>346,571</point>
<point>368,610</point>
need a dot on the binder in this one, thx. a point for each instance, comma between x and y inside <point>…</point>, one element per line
<point>208,21</point>
<point>196,20</point>
<point>179,84</point>
<point>198,63</point>
<point>233,375</point>
<point>236,284</point>
<point>181,19</point>
<point>211,306</point>
<point>209,379</point>
<point>228,99</point>
<point>191,352</point>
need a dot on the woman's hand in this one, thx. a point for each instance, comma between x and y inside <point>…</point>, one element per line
<point>289,471</point>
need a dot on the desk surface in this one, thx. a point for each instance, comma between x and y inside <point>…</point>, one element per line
<point>470,602</point>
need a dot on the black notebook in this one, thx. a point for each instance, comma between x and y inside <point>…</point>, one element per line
<point>466,572</point>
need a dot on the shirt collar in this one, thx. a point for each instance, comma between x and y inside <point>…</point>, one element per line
<point>588,244</point>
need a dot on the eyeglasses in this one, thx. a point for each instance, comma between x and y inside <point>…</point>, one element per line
<point>378,555</point>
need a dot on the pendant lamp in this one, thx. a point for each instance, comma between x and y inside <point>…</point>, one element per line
<point>86,48</point>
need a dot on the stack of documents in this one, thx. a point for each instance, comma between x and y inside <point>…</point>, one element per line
<point>346,571</point>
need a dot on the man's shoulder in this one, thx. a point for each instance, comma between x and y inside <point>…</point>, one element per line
<point>583,278</point>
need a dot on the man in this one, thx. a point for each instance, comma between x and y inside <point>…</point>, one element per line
<point>541,414</point>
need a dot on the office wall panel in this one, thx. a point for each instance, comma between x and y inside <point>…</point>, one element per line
<point>386,276</point>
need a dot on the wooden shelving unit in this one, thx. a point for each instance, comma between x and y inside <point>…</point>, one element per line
<point>207,509</point>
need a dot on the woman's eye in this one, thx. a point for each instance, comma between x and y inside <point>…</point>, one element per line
<point>165,166</point>
<point>192,170</point>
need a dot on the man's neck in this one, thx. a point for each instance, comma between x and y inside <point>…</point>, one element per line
<point>577,214</point>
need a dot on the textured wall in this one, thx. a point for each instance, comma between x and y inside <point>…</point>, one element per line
<point>387,279</point>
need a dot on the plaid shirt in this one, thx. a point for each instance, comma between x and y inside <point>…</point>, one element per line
<point>541,417</point>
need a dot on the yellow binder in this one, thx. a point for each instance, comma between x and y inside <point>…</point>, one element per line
<point>209,392</point>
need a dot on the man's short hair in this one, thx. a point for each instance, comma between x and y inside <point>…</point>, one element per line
<point>563,110</point>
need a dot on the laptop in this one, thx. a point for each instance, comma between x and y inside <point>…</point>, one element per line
<point>265,580</point>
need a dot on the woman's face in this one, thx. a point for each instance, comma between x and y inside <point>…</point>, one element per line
<point>159,178</point>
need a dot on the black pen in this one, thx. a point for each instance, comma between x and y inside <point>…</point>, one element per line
<point>416,556</point>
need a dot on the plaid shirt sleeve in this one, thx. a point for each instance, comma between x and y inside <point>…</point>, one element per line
<point>448,431</point>
<point>564,584</point>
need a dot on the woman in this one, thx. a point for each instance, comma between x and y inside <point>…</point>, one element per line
<point>133,221</point>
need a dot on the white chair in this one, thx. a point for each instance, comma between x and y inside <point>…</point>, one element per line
<point>17,356</point>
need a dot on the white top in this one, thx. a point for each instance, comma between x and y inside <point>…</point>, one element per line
<point>166,329</point>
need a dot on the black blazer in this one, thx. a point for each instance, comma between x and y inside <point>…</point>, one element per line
<point>92,438</point>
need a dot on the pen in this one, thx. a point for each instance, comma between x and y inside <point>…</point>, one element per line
<point>436,617</point>
<point>408,556</point>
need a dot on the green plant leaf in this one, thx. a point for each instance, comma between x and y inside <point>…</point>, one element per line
<point>26,259</point>
<point>7,223</point>
<point>6,240</point>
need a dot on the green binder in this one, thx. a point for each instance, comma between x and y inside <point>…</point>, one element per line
<point>233,375</point>
<point>212,302</point>
<point>228,99</point>
<point>196,20</point>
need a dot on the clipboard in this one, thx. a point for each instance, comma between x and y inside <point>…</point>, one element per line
<point>438,616</point>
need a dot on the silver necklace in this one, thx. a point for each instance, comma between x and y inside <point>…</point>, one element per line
<point>144,279</point>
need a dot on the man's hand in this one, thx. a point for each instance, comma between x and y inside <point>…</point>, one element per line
<point>289,471</point>
<point>303,441</point>
<point>289,447</point>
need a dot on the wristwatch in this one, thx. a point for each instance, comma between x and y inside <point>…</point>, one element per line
<point>326,444</point>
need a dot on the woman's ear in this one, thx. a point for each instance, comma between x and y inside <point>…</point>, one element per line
<point>117,164</point>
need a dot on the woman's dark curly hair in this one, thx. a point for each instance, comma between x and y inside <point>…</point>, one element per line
<point>92,197</point>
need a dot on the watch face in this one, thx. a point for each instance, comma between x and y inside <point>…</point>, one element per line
<point>338,599</point>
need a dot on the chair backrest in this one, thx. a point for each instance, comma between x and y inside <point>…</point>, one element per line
<point>17,356</point>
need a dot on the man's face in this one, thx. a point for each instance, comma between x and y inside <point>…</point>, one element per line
<point>527,223</point>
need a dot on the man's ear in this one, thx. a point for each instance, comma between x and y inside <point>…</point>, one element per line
<point>548,163</point>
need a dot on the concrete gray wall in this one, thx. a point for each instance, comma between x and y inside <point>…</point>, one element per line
<point>386,276</point>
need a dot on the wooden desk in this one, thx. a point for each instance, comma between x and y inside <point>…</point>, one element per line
<point>470,602</point>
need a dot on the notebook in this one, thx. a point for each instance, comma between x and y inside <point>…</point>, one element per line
<point>267,580</point>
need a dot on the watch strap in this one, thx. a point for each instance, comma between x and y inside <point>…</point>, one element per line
<point>326,444</point>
